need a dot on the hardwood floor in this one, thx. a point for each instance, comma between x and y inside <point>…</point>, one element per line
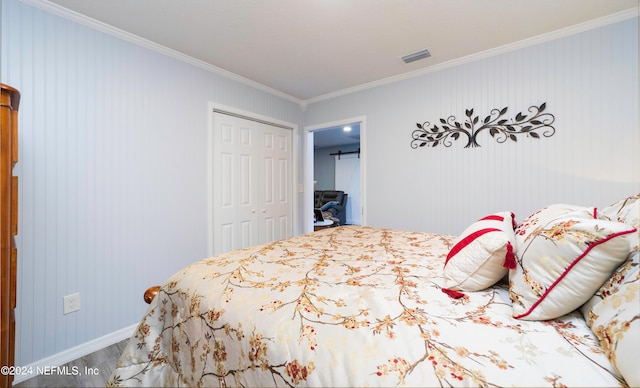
<point>100,364</point>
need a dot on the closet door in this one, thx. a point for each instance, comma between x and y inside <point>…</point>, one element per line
<point>235,175</point>
<point>251,183</point>
<point>275,196</point>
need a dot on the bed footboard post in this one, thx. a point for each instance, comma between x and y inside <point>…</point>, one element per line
<point>151,293</point>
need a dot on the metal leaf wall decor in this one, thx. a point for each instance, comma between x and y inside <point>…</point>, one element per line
<point>532,124</point>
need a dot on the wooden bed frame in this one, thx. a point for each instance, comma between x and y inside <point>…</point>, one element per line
<point>151,293</point>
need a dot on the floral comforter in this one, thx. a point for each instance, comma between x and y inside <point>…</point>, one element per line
<point>349,306</point>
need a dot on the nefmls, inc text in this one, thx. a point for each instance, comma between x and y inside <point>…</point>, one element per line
<point>66,370</point>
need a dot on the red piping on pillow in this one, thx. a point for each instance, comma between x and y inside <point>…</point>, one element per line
<point>570,267</point>
<point>468,240</point>
<point>494,217</point>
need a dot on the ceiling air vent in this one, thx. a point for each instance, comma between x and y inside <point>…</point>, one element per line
<point>416,56</point>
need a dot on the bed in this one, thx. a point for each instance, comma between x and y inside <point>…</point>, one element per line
<point>363,306</point>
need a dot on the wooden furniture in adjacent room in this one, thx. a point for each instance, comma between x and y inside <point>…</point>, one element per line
<point>8,226</point>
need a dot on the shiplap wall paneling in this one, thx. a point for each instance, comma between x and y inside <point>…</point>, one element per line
<point>589,81</point>
<point>113,172</point>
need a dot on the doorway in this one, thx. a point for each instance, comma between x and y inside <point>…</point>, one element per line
<point>336,146</point>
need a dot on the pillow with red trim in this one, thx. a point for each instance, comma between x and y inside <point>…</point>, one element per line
<point>480,256</point>
<point>612,314</point>
<point>626,210</point>
<point>551,212</point>
<point>562,259</point>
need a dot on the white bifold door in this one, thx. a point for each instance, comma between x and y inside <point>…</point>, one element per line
<point>252,183</point>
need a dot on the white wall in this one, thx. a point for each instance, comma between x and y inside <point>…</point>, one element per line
<point>589,82</point>
<point>113,175</point>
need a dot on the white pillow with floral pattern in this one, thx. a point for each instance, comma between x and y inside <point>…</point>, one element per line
<point>614,317</point>
<point>562,258</point>
<point>626,210</point>
<point>613,313</point>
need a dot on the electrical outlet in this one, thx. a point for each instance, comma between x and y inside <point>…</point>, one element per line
<point>71,303</point>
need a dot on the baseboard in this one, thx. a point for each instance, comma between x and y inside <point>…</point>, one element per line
<point>76,352</point>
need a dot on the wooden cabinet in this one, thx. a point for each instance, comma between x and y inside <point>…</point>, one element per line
<point>8,226</point>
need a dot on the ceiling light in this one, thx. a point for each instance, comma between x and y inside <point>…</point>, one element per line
<point>416,56</point>
<point>346,129</point>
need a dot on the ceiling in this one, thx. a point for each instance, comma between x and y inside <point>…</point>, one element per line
<point>307,50</point>
<point>337,136</point>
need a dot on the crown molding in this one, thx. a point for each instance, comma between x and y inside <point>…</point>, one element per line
<point>561,33</point>
<point>116,32</point>
<point>121,34</point>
